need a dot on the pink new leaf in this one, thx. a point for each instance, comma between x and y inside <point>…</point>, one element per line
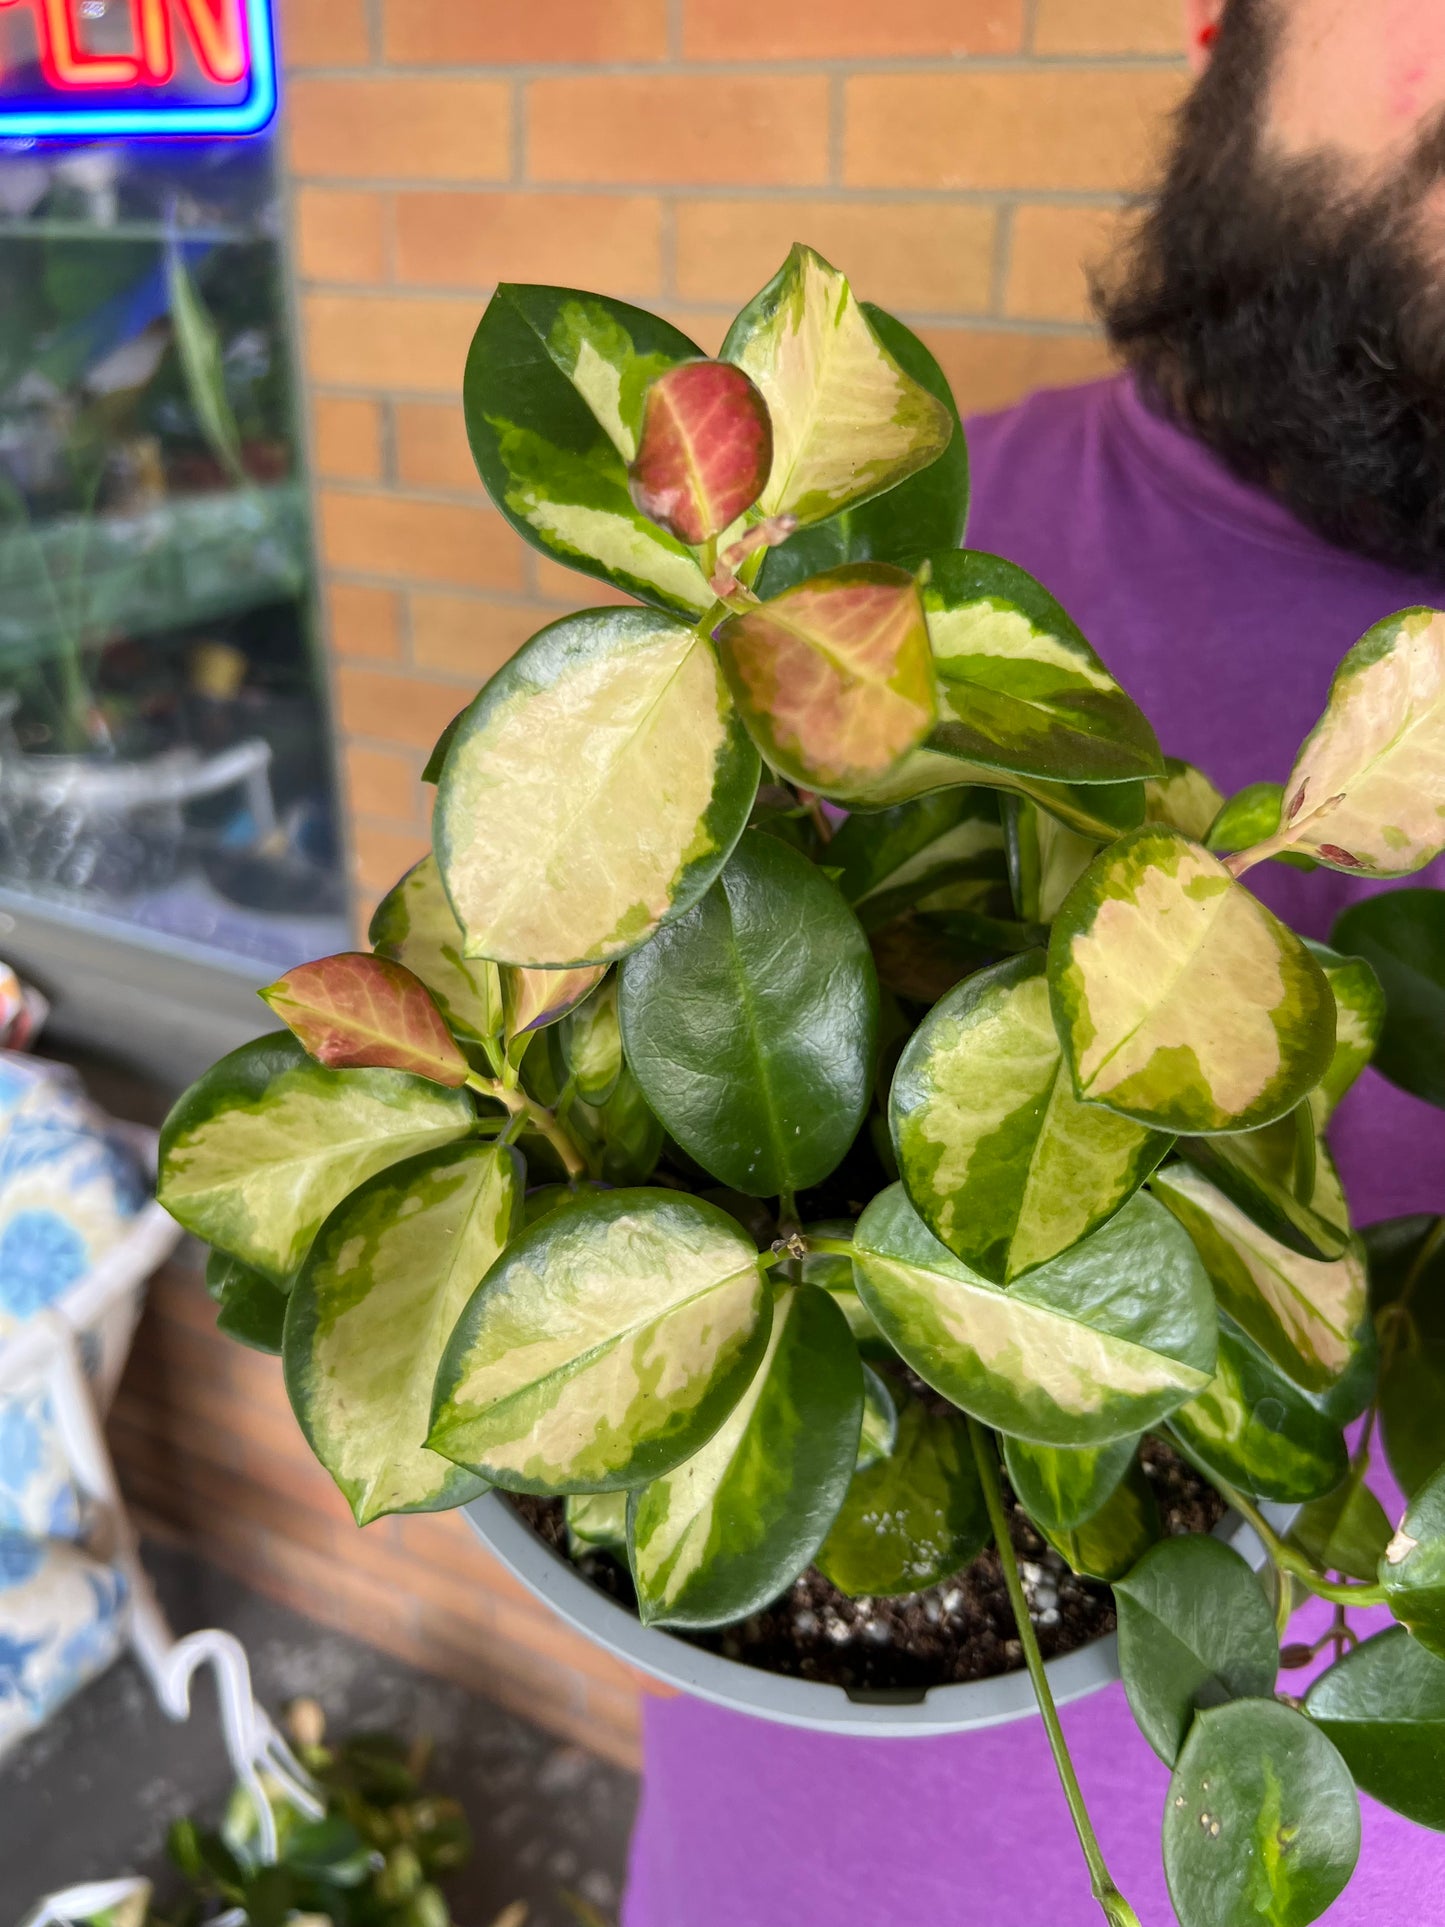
<point>705,451</point>
<point>356,1011</point>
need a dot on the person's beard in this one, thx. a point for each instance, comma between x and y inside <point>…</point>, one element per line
<point>1292,322</point>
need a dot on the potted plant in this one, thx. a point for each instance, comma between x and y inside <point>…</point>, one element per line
<point>830,1051</point>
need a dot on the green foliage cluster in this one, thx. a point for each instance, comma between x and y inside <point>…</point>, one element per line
<point>820,971</point>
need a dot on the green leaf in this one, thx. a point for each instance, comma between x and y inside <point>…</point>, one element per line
<point>1304,1314</point>
<point>1250,816</point>
<point>1262,1823</point>
<point>606,1345</point>
<point>257,1152</point>
<point>1367,792</point>
<point>198,348</point>
<point>724,1533</point>
<point>1000,1159</point>
<point>1273,1175</point>
<point>415,925</point>
<point>1195,1630</point>
<point>848,422</point>
<point>356,1011</point>
<point>834,1274</point>
<point>749,1023</point>
<point>1179,999</point>
<point>252,1308</point>
<point>1346,1531</point>
<point>834,677</point>
<point>1020,689</point>
<point>630,1133</point>
<point>1045,858</point>
<point>879,1434</point>
<point>1407,1291</point>
<point>704,452</point>
<point>1258,1431</point>
<point>1117,1535</point>
<point>913,1519</point>
<point>593,792</point>
<point>887,860</point>
<point>597,1519</point>
<point>1183,798</point>
<point>924,513</point>
<point>1383,1707</point>
<point>1099,810</point>
<point>432,769</point>
<point>1401,934</point>
<point>554,394</point>
<point>592,1044</point>
<point>1060,1486</point>
<point>1096,1346</point>
<point>1413,1568</point>
<point>1359,1019</point>
<point>373,1309</point>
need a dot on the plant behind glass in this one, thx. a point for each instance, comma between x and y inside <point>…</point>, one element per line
<point>529,1196</point>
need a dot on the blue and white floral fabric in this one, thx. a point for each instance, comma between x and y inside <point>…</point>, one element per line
<point>62,1621</point>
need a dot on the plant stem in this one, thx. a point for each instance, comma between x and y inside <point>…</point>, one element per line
<point>1389,1323</point>
<point>1117,1910</point>
<point>537,1118</point>
<point>838,1247</point>
<point>1244,860</point>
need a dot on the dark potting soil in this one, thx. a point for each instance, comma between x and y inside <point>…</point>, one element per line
<point>960,1630</point>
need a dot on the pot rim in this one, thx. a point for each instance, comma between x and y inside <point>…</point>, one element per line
<point>955,1707</point>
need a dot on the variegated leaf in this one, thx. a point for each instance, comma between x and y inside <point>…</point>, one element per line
<point>1183,798</point>
<point>355,1011</point>
<point>833,1273</point>
<point>371,1313</point>
<point>592,1044</point>
<point>415,925</point>
<point>998,1156</point>
<point>1060,1486</point>
<point>914,1518</point>
<point>1096,1346</point>
<point>1099,810</point>
<point>1257,1430</point>
<point>848,423</point>
<point>1020,690</point>
<point>1045,858</point>
<point>1367,793</point>
<point>1280,1177</point>
<point>252,1308</point>
<point>1180,1000</point>
<point>1116,1536</point>
<point>704,452</point>
<point>888,859</point>
<point>606,1345</point>
<point>261,1149</point>
<point>1304,1314</point>
<point>594,790</point>
<point>1359,1021</point>
<point>554,394</point>
<point>1252,816</point>
<point>1413,1568</point>
<point>597,1520</point>
<point>879,1433</point>
<point>533,999</point>
<point>729,1529</point>
<point>834,678</point>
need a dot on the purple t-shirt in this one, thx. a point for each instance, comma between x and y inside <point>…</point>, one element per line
<point>1224,619</point>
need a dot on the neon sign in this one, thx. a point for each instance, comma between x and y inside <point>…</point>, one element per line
<point>83,68</point>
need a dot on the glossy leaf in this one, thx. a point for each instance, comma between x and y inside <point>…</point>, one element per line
<point>928,511</point>
<point>1273,1175</point>
<point>1179,999</point>
<point>1183,798</point>
<point>914,1518</point>
<point>848,422</point>
<point>1107,1544</point>
<point>534,999</point>
<point>1401,935</point>
<point>1303,1314</point>
<point>888,859</point>
<point>729,1529</point>
<point>1250,816</point>
<point>998,1156</point>
<point>1346,1531</point>
<point>1045,858</point>
<point>432,768</point>
<point>1407,1291</point>
<point>606,1345</point>
<point>750,1022</point>
<point>1359,1020</point>
<point>834,1274</point>
<point>1020,689</point>
<point>1060,1486</point>
<point>704,452</point>
<point>555,389</point>
<point>1383,1708</point>
<point>1259,1432</point>
<point>415,925</point>
<point>260,1150</point>
<point>372,1311</point>
<point>1413,1568</point>
<point>1367,792</point>
<point>592,1044</point>
<point>597,1520</point>
<point>628,1131</point>
<point>1195,1630</point>
<point>1093,1347</point>
<point>252,1307</point>
<point>1262,1823</point>
<point>593,791</point>
<point>879,1433</point>
<point>355,1011</point>
<point>1100,810</point>
<point>834,678</point>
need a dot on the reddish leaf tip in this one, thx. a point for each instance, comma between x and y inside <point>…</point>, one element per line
<point>705,451</point>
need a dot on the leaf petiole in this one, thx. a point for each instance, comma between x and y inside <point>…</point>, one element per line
<point>526,1115</point>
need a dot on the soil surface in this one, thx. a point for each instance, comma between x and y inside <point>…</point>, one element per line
<point>960,1630</point>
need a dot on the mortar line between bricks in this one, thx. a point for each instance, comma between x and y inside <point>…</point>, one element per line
<point>943,66</point>
<point>848,195</point>
<point>1030,26</point>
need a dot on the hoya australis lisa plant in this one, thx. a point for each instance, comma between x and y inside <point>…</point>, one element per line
<point>530,1194</point>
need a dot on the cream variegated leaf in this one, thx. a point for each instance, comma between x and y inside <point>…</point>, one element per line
<point>597,1519</point>
<point>1096,1346</point>
<point>1183,798</point>
<point>1180,1000</point>
<point>1045,858</point>
<point>998,1156</point>
<point>606,1346</point>
<point>533,999</point>
<point>414,925</point>
<point>1102,811</point>
<point>593,791</point>
<point>1281,1178</point>
<point>879,1432</point>
<point>889,859</point>
<point>848,423</point>
<point>1060,1486</point>
<point>1367,793</point>
<point>371,1313</point>
<point>1359,1020</point>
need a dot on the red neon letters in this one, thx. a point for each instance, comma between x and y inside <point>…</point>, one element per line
<point>215,29</point>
